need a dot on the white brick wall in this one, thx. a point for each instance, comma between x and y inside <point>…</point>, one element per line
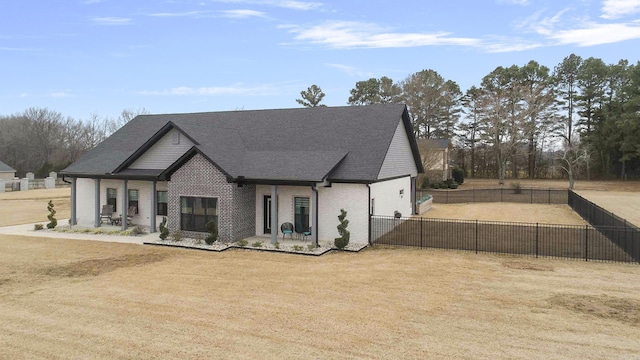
<point>388,199</point>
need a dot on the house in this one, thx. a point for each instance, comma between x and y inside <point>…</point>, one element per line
<point>435,156</point>
<point>6,172</point>
<point>251,171</point>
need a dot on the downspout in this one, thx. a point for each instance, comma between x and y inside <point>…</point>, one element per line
<point>315,230</point>
<point>369,211</point>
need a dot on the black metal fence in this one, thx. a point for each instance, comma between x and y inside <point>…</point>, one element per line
<point>530,195</point>
<point>529,239</point>
<point>607,223</point>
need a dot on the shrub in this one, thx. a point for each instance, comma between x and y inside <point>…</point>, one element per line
<point>343,240</point>
<point>298,248</point>
<point>425,183</point>
<point>164,230</point>
<point>138,230</point>
<point>443,185</point>
<point>449,181</point>
<point>457,174</point>
<point>257,244</point>
<point>242,243</point>
<point>177,236</point>
<point>52,212</point>
<point>276,245</point>
<point>453,186</point>
<point>516,187</point>
<point>212,227</point>
<point>37,227</point>
<point>311,247</point>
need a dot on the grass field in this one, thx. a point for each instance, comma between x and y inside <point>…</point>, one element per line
<point>24,207</point>
<point>96,300</point>
<point>80,299</point>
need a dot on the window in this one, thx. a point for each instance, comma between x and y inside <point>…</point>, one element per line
<point>133,199</point>
<point>195,213</point>
<point>301,214</point>
<point>162,203</point>
<point>112,198</point>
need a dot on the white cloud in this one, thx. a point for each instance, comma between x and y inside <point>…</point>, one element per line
<point>242,14</point>
<point>350,34</point>
<point>2,48</point>
<point>514,2</point>
<point>597,34</point>
<point>60,94</point>
<point>349,70</point>
<point>614,9</point>
<point>236,89</point>
<point>111,20</point>
<point>179,14</point>
<point>288,4</point>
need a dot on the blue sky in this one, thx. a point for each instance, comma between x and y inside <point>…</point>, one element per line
<point>100,56</point>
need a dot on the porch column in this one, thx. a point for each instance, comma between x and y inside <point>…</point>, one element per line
<point>154,207</point>
<point>73,202</point>
<point>314,216</point>
<point>125,204</point>
<point>274,214</point>
<point>96,218</point>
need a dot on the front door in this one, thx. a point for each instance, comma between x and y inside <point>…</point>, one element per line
<point>267,214</point>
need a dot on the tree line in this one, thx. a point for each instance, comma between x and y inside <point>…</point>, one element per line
<point>581,118</point>
<point>40,140</point>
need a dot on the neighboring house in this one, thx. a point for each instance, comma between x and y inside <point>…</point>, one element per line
<point>230,166</point>
<point>435,156</point>
<point>6,172</point>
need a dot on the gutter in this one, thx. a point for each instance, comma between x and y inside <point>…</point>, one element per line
<point>63,179</point>
<point>369,211</point>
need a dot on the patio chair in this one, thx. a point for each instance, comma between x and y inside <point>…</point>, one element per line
<point>306,233</point>
<point>287,229</point>
<point>131,213</point>
<point>106,213</point>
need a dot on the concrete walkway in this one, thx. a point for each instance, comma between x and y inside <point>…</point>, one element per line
<point>27,230</point>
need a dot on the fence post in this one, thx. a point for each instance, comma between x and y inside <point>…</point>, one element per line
<point>473,195</point>
<point>476,236</point>
<point>421,221</point>
<point>586,243</point>
<point>501,193</point>
<point>549,196</point>
<point>537,239</point>
<point>531,194</point>
<point>447,195</point>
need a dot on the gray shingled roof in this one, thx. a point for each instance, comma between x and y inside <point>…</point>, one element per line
<point>346,143</point>
<point>6,168</point>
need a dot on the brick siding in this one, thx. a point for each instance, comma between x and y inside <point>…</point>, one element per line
<point>236,205</point>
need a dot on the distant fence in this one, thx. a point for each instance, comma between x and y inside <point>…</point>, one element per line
<point>15,185</point>
<point>529,239</point>
<point>530,196</point>
<point>607,223</point>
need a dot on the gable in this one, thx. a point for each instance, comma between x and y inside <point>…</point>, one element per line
<point>399,160</point>
<point>164,152</point>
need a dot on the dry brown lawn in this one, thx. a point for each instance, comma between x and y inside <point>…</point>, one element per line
<point>617,185</point>
<point>24,207</point>
<point>81,299</point>
<point>624,204</point>
<point>511,212</point>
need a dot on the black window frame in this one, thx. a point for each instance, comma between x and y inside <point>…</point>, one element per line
<point>135,202</point>
<point>301,218</point>
<point>162,207</point>
<point>190,221</point>
<point>113,201</point>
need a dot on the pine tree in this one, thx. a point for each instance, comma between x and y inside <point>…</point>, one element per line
<point>52,212</point>
<point>343,240</point>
